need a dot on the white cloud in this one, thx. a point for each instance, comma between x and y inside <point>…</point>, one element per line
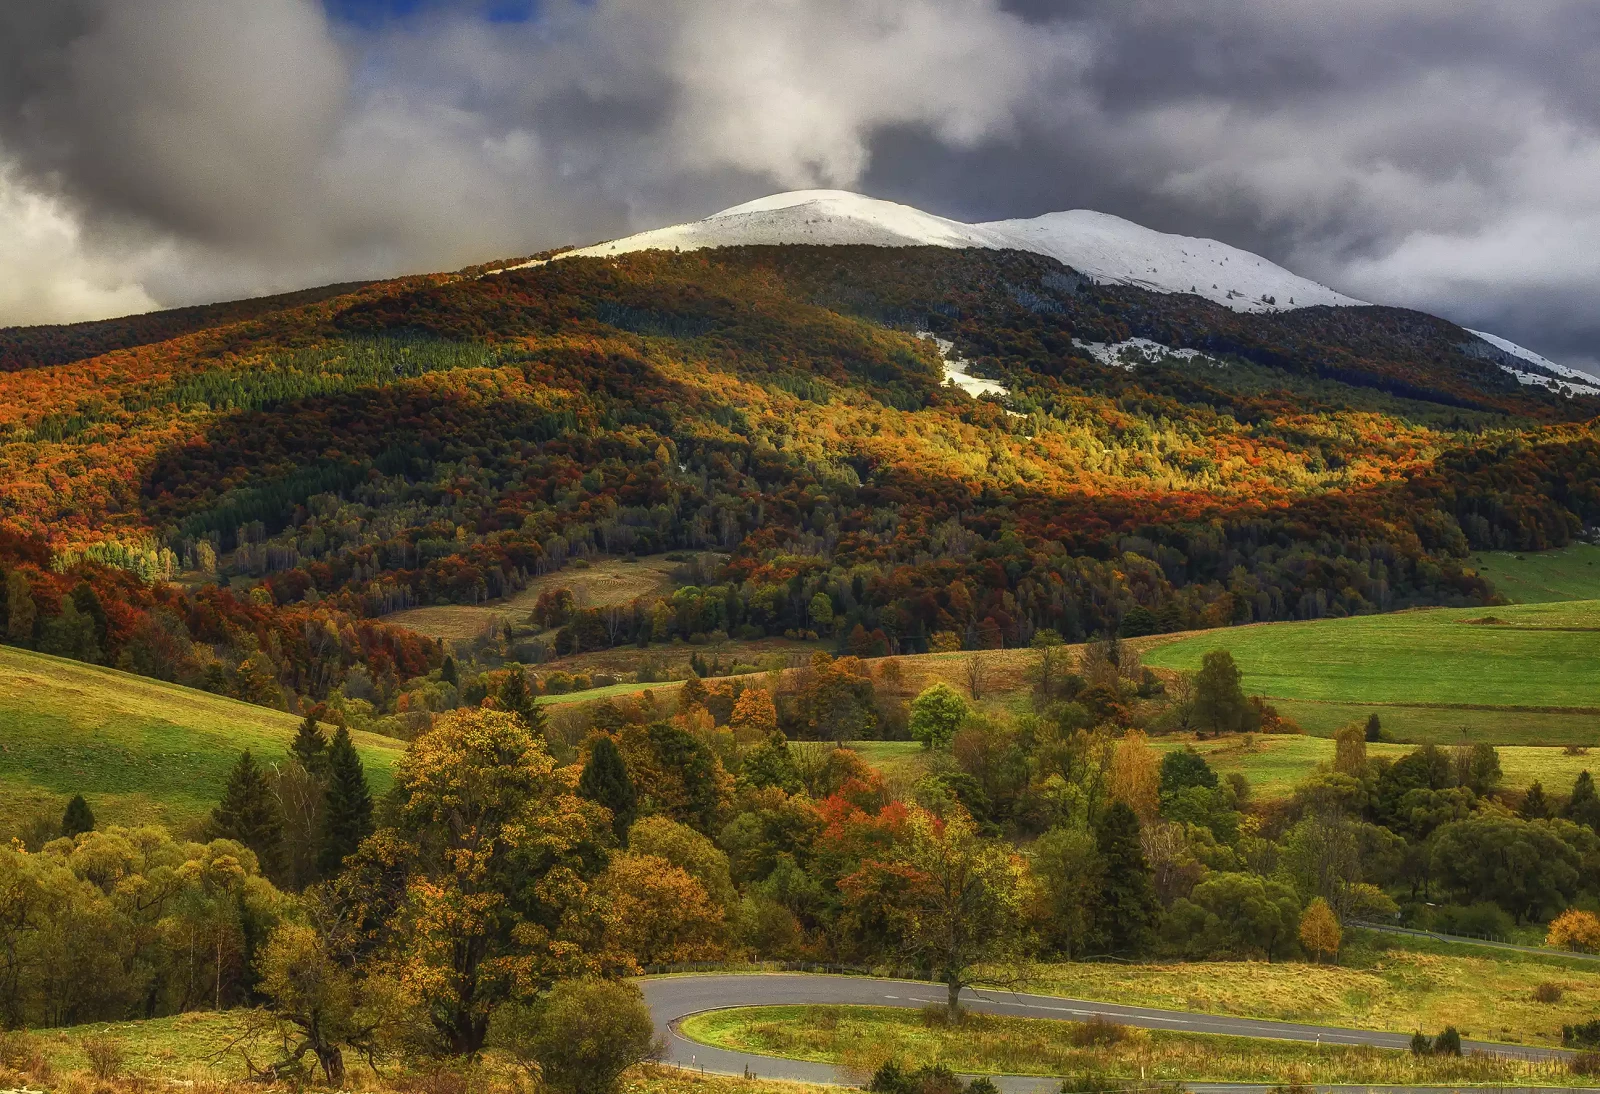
<point>48,276</point>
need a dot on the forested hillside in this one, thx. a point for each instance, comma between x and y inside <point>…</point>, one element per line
<point>312,463</point>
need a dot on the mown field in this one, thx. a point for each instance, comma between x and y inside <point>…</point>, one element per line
<point>141,751</point>
<point>863,1038</point>
<point>612,581</point>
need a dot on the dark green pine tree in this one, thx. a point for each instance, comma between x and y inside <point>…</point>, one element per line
<point>249,813</point>
<point>1374,727</point>
<point>347,806</point>
<point>78,818</point>
<point>310,747</point>
<point>448,672</point>
<point>605,781</point>
<point>1535,806</point>
<point>517,698</point>
<point>1126,912</point>
<point>1584,807</point>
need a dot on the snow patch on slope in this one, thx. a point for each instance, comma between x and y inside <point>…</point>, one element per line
<point>1141,351</point>
<point>955,370</point>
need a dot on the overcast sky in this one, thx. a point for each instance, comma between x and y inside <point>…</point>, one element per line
<point>1442,154</point>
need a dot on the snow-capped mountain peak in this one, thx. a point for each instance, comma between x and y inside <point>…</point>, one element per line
<point>1105,247</point>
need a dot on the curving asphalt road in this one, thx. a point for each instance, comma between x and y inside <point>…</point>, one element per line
<point>674,998</point>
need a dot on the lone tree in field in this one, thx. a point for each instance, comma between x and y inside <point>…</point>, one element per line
<point>1350,751</point>
<point>249,813</point>
<point>936,714</point>
<point>347,806</point>
<point>605,781</point>
<point>1374,728</point>
<point>1220,705</point>
<point>77,819</point>
<point>1319,930</point>
<point>966,901</point>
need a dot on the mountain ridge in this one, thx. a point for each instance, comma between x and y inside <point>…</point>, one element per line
<point>1107,248</point>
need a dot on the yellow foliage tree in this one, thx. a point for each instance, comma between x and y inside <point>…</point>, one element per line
<point>656,913</point>
<point>755,717</point>
<point>1319,930</point>
<point>1136,775</point>
<point>1575,930</point>
<point>493,842</point>
<point>1350,750</point>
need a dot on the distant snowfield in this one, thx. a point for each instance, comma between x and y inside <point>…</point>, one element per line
<point>1104,247</point>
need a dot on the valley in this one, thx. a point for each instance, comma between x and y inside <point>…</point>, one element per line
<point>727,597</point>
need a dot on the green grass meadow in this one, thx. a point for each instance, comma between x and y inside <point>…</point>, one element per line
<point>1519,674</point>
<point>141,751</point>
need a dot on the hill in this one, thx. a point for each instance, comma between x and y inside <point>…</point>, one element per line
<point>281,483</point>
<point>141,751</point>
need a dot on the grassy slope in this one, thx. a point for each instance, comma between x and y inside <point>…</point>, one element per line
<point>1541,577</point>
<point>138,749</point>
<point>1383,983</point>
<point>862,1038</point>
<point>1274,764</point>
<point>1528,673</point>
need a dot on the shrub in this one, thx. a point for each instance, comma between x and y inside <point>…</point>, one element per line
<point>106,1056</point>
<point>558,683</point>
<point>1098,1030</point>
<point>581,681</point>
<point>1448,1043</point>
<point>1547,992</point>
<point>1575,930</point>
<point>582,1036</point>
<point>1582,1035</point>
<point>23,1052</point>
<point>1585,1063</point>
<point>1421,1045</point>
<point>891,1078</point>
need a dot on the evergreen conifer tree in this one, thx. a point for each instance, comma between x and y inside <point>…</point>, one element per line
<point>347,806</point>
<point>77,819</point>
<point>605,781</point>
<point>310,747</point>
<point>1127,908</point>
<point>1584,806</point>
<point>1535,806</point>
<point>517,698</point>
<point>87,601</point>
<point>1374,727</point>
<point>448,672</point>
<point>248,812</point>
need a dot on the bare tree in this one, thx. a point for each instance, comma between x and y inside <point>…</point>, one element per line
<point>976,672</point>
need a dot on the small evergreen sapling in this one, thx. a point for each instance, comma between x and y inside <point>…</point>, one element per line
<point>77,819</point>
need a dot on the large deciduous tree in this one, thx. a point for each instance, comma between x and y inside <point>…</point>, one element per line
<point>482,880</point>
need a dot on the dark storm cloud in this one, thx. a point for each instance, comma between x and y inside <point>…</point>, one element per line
<point>1443,155</point>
